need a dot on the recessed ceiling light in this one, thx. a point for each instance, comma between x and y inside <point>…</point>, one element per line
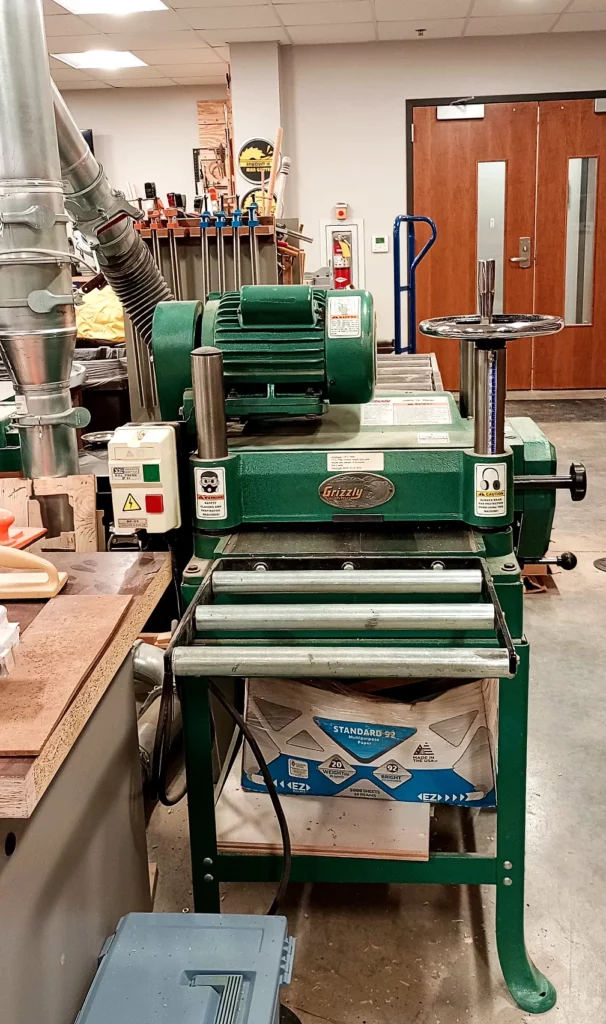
<point>101,59</point>
<point>112,6</point>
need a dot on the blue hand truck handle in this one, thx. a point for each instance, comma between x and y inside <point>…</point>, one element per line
<point>413,260</point>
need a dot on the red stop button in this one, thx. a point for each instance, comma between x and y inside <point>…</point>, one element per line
<point>154,503</point>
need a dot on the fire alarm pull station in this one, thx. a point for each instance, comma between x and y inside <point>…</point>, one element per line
<point>341,211</point>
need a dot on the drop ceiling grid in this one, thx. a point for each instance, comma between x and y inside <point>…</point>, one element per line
<point>189,42</point>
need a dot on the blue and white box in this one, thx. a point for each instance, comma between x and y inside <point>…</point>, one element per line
<point>318,742</point>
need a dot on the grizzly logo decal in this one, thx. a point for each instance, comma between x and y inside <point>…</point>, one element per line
<point>356,490</point>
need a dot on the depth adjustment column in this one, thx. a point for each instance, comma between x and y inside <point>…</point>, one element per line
<point>490,372</point>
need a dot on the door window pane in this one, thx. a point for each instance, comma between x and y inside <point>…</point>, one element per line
<point>491,221</point>
<point>580,239</point>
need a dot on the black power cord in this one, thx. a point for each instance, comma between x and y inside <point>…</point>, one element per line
<point>160,756</point>
<point>160,759</point>
<point>271,789</point>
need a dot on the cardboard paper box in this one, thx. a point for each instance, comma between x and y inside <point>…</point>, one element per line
<point>323,743</point>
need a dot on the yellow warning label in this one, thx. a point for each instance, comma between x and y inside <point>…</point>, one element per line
<point>131,505</point>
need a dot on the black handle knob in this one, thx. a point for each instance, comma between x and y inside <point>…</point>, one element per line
<point>567,560</point>
<point>578,482</point>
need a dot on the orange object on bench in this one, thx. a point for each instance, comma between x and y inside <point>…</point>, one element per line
<point>17,536</point>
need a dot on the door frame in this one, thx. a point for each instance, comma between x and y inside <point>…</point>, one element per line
<point>442,101</point>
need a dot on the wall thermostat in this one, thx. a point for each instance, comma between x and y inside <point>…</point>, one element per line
<point>380,243</point>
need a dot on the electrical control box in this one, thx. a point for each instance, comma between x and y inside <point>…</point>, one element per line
<point>143,476</point>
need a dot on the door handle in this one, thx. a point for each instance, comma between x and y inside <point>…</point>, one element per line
<point>523,260</point>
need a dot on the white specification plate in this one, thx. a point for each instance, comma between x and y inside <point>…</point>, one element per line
<point>126,474</point>
<point>433,437</point>
<point>211,499</point>
<point>344,316</point>
<point>491,489</point>
<point>407,410</point>
<point>352,462</point>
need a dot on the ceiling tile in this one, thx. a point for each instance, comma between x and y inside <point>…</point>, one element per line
<point>154,40</point>
<point>230,17</point>
<point>593,21</point>
<point>489,8</point>
<point>425,10</point>
<point>200,81</point>
<point>145,83</point>
<point>69,75</point>
<point>518,24</point>
<point>587,5</point>
<point>77,44</point>
<point>355,33</point>
<point>85,85</point>
<point>337,12</point>
<point>204,55</point>
<point>66,25</point>
<point>178,4</point>
<point>220,37</point>
<point>147,21</point>
<point>112,75</point>
<point>192,70</point>
<point>447,28</point>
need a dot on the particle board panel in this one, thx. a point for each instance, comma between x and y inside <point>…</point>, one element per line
<point>56,653</point>
<point>145,576</point>
<point>321,826</point>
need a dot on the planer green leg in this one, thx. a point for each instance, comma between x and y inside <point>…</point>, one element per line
<point>529,988</point>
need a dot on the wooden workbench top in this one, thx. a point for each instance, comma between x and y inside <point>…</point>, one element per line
<point>142,576</point>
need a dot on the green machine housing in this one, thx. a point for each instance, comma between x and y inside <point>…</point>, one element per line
<point>287,350</point>
<point>319,496</point>
<point>299,369</point>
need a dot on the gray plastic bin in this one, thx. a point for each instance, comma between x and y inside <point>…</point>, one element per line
<point>191,969</point>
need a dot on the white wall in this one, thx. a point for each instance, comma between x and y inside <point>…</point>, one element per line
<point>144,134</point>
<point>345,112</point>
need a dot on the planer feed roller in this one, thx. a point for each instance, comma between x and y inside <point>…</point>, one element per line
<point>339,536</point>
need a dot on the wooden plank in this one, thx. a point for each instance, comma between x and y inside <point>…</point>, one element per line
<point>57,652</point>
<point>144,576</point>
<point>324,826</point>
<point>82,494</point>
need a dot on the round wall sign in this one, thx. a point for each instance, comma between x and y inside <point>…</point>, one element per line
<point>254,160</point>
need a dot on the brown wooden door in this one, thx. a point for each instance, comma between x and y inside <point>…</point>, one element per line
<point>446,158</point>
<point>575,358</point>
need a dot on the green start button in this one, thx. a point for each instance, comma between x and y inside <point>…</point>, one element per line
<point>151,473</point>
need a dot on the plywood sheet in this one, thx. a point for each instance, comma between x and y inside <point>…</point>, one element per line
<point>56,654</point>
<point>321,826</point>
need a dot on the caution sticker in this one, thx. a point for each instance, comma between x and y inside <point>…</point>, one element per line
<point>211,499</point>
<point>491,489</point>
<point>131,504</point>
<point>344,316</point>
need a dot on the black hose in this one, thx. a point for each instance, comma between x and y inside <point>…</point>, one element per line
<point>138,284</point>
<point>271,789</point>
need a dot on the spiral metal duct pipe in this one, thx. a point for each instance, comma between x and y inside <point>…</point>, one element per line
<point>106,220</point>
<point>37,320</point>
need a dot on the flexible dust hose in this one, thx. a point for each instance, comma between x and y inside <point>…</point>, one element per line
<point>106,220</point>
<point>138,284</point>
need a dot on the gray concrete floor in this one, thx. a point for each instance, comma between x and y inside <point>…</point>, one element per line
<point>426,954</point>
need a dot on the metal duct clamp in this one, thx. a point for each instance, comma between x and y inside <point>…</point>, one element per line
<point>76,417</point>
<point>113,209</point>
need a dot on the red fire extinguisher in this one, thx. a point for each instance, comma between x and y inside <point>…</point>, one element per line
<point>341,259</point>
